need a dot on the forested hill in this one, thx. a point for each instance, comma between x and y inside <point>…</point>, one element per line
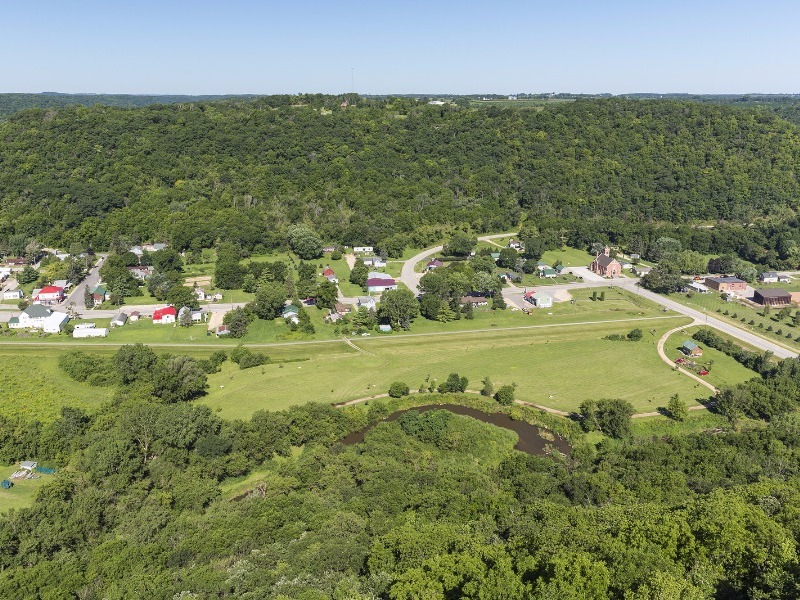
<point>12,103</point>
<point>193,173</point>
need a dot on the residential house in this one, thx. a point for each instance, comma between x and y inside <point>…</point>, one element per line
<point>217,297</point>
<point>548,273</point>
<point>475,300</point>
<point>363,249</point>
<point>329,249</point>
<point>495,256</point>
<point>635,256</point>
<point>196,315</point>
<point>768,277</point>
<point>383,328</point>
<point>541,265</point>
<point>16,261</point>
<point>134,316</point>
<point>433,264</point>
<point>141,272</point>
<point>377,285</point>
<point>201,295</point>
<point>154,247</point>
<point>726,284</point>
<point>330,275</point>
<point>374,261</point>
<point>222,330</point>
<point>165,316</point>
<point>367,301</point>
<point>50,294</point>
<point>689,348</point>
<point>772,297</point>
<point>37,316</point>
<point>342,309</point>
<point>100,294</point>
<point>640,270</point>
<point>290,312</point>
<point>515,244</point>
<point>62,283</point>
<point>12,294</point>
<point>119,320</point>
<point>606,266</point>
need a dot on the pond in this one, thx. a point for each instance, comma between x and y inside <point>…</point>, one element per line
<point>533,440</point>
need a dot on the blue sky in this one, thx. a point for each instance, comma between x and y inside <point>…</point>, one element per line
<point>243,46</point>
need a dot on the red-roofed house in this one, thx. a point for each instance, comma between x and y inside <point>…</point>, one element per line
<point>330,275</point>
<point>380,285</point>
<point>165,315</point>
<point>49,295</point>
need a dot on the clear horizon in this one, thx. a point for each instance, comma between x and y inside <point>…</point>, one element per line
<point>263,48</point>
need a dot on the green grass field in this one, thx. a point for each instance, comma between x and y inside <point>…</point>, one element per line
<point>33,386</point>
<point>723,370</point>
<point>569,257</point>
<point>558,367</point>
<point>23,492</point>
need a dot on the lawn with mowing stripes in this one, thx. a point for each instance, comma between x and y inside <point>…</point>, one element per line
<point>558,367</point>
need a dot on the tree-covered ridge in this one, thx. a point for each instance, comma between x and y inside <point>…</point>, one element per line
<point>244,171</point>
<point>13,103</point>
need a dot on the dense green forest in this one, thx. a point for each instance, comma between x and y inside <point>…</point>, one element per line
<point>12,103</point>
<point>594,170</point>
<point>432,505</point>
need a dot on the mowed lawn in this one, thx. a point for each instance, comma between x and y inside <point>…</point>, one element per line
<point>22,494</point>
<point>558,367</point>
<point>722,369</point>
<point>33,386</point>
<point>569,257</point>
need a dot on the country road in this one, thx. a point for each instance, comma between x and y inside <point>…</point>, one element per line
<point>513,296</point>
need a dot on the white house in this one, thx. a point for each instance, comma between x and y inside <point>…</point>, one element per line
<point>119,320</point>
<point>37,316</point>
<point>49,295</point>
<point>200,294</point>
<point>12,294</point>
<point>374,261</point>
<point>367,301</point>
<point>768,277</point>
<point>363,249</point>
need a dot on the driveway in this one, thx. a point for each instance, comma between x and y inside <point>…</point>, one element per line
<point>585,274</point>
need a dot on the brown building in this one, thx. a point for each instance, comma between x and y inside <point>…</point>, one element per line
<point>606,266</point>
<point>772,297</point>
<point>726,284</point>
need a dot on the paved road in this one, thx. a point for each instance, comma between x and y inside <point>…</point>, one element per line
<point>513,296</point>
<point>411,278</point>
<point>77,294</point>
<point>705,318</point>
